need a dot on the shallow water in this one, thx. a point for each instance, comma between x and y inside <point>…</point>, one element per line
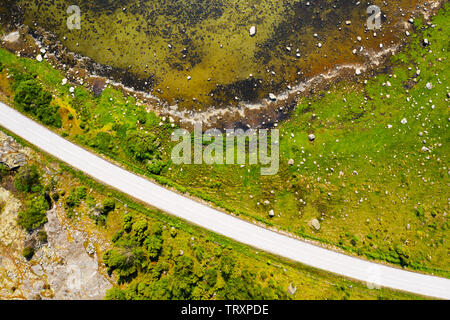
<point>165,42</point>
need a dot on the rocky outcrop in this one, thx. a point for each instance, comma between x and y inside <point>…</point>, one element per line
<point>12,154</point>
<point>66,265</point>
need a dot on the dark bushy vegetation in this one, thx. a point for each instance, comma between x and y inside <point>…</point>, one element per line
<point>152,268</point>
<point>28,181</point>
<point>109,204</point>
<point>42,236</point>
<point>102,142</point>
<point>143,148</point>
<point>32,98</point>
<point>34,214</point>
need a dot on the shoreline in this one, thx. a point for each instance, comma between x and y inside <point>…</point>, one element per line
<point>265,113</point>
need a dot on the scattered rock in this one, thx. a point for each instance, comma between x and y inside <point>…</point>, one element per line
<point>315,224</point>
<point>271,213</point>
<point>311,137</point>
<point>253,31</point>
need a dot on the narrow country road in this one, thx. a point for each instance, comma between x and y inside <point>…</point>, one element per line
<point>216,221</point>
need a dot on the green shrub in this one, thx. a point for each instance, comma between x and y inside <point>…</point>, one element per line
<point>20,76</point>
<point>154,273</point>
<point>76,196</point>
<point>211,277</point>
<point>155,165</point>
<point>154,246</point>
<point>140,230</point>
<point>42,236</point>
<point>403,254</point>
<point>30,97</point>
<point>123,262</point>
<point>141,146</point>
<point>115,294</point>
<point>90,201</point>
<point>27,179</point>
<point>35,213</point>
<point>127,222</point>
<point>109,204</point>
<point>141,116</point>
<point>102,141</point>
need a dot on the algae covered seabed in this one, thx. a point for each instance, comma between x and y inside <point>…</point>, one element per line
<point>162,44</point>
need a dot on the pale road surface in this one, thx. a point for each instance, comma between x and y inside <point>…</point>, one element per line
<point>216,221</point>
